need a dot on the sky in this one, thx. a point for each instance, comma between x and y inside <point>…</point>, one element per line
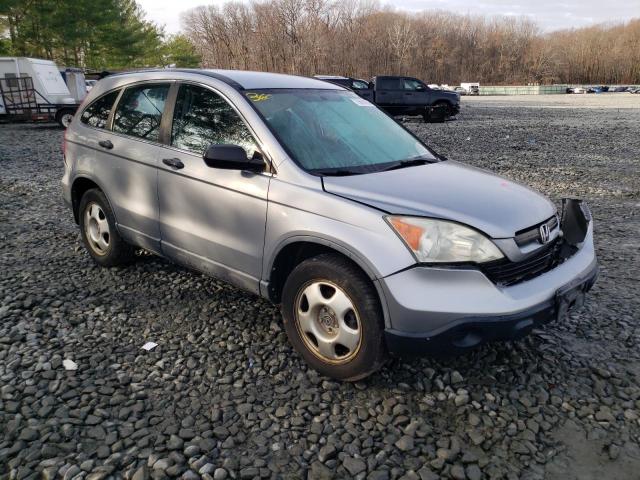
<point>548,14</point>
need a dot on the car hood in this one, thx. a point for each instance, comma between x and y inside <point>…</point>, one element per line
<point>447,93</point>
<point>448,190</point>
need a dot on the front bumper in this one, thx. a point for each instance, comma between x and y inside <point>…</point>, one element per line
<point>470,332</point>
<point>449,310</point>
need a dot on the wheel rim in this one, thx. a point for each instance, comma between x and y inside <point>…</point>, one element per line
<point>96,228</point>
<point>328,322</point>
<point>66,119</point>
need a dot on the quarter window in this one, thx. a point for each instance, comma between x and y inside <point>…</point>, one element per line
<point>97,114</point>
<point>139,111</point>
<point>201,118</point>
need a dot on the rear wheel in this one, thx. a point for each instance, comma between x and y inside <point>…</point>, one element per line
<point>99,233</point>
<point>332,317</point>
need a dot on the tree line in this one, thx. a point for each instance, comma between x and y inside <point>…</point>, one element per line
<point>344,37</point>
<point>359,38</point>
<point>110,34</point>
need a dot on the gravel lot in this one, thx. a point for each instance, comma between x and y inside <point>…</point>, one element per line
<point>224,395</point>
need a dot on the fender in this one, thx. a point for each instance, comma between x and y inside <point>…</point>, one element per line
<point>335,244</point>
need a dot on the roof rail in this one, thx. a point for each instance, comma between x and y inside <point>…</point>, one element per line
<point>196,71</point>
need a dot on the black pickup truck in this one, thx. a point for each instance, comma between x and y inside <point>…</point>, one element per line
<point>403,96</point>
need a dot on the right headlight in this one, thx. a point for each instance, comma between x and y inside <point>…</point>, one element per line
<point>440,241</point>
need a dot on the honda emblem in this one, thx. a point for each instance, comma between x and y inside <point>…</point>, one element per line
<point>545,233</point>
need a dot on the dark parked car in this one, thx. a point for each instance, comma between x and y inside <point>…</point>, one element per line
<point>361,87</point>
<point>402,96</point>
<point>619,89</point>
<point>410,96</point>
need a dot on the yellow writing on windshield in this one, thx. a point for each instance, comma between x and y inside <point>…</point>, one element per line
<point>258,97</point>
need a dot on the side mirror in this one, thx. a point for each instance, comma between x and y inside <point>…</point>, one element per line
<point>232,157</point>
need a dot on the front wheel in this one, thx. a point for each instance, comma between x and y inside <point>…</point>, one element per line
<point>333,318</point>
<point>438,113</point>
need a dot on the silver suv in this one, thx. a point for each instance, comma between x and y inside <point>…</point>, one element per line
<point>304,193</point>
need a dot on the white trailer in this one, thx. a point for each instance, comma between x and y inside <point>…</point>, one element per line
<point>33,89</point>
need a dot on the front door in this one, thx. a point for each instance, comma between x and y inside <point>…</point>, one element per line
<point>415,95</point>
<point>211,219</point>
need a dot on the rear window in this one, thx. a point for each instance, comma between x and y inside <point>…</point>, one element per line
<point>97,114</point>
<point>139,111</point>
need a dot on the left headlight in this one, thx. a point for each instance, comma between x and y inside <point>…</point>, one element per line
<point>441,241</point>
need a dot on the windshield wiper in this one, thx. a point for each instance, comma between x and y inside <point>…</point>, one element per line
<point>336,172</point>
<point>410,162</point>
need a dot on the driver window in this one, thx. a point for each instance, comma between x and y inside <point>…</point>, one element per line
<point>201,118</point>
<point>411,84</point>
<point>139,111</point>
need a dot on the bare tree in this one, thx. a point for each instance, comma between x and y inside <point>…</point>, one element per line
<point>359,38</point>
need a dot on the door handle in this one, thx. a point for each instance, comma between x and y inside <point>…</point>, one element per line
<point>408,93</point>
<point>106,144</point>
<point>174,163</point>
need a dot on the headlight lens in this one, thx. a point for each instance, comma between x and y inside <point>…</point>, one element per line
<point>442,241</point>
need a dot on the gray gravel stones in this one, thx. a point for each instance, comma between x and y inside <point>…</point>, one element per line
<point>354,465</point>
<point>224,396</point>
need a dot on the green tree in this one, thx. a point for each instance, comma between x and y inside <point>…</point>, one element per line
<point>180,52</point>
<point>111,35</point>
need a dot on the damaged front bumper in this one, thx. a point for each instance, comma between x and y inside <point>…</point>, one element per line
<point>442,310</point>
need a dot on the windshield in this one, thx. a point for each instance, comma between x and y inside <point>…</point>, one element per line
<point>336,131</point>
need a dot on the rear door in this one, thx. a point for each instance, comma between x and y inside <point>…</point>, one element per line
<point>132,150</point>
<point>212,219</point>
<point>388,94</point>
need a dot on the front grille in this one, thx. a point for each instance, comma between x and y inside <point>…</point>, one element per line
<point>504,272</point>
<point>531,234</point>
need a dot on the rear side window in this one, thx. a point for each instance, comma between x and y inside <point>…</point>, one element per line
<point>388,83</point>
<point>202,118</point>
<point>139,111</point>
<point>97,114</point>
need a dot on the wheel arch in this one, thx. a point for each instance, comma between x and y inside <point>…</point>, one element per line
<point>81,184</point>
<point>295,250</point>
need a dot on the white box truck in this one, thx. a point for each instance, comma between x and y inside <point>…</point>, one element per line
<point>33,89</point>
<point>472,88</point>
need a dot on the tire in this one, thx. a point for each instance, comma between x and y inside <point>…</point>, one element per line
<point>99,232</point>
<point>327,300</point>
<point>441,111</point>
<point>64,117</point>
